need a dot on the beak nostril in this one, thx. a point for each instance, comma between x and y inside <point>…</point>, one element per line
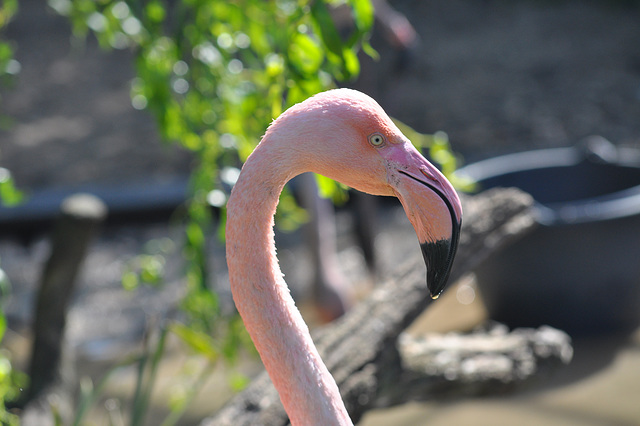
<point>428,174</point>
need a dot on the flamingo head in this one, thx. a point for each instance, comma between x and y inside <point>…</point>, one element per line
<point>345,135</point>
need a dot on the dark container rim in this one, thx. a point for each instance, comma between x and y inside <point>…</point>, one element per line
<point>614,205</point>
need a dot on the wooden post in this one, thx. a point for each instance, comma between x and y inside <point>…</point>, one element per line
<point>80,217</point>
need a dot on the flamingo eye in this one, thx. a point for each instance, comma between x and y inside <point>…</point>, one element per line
<point>376,139</point>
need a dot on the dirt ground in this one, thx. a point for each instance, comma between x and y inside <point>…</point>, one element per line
<point>496,76</point>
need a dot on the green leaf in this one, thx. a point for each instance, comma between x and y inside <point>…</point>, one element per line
<point>305,54</point>
<point>238,381</point>
<point>7,11</point>
<point>9,195</point>
<point>3,326</point>
<point>200,342</point>
<point>151,268</point>
<point>130,280</point>
<point>195,235</point>
<point>155,11</point>
<point>369,50</point>
<point>147,374</point>
<point>326,27</point>
<point>351,63</point>
<point>363,15</point>
<point>289,216</point>
<point>329,188</point>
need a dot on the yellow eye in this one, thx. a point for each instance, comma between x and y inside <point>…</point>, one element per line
<point>376,139</point>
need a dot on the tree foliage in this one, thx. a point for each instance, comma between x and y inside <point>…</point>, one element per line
<point>214,74</point>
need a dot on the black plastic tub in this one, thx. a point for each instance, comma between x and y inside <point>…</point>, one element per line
<point>580,269</point>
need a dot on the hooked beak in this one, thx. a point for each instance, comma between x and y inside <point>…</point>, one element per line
<point>434,210</point>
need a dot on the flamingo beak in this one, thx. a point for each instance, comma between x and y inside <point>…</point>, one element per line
<point>434,210</point>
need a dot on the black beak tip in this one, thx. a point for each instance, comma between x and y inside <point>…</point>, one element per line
<point>434,296</point>
<point>436,286</point>
<point>438,256</point>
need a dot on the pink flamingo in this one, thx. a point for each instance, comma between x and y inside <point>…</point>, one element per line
<point>344,135</point>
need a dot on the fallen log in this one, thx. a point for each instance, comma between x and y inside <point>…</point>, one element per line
<point>489,360</point>
<point>360,348</point>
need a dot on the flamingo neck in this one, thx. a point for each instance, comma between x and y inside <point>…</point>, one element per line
<point>307,389</point>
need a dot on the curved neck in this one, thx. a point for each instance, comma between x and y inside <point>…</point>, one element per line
<point>306,388</point>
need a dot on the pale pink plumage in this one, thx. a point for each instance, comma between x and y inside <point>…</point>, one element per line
<point>328,134</point>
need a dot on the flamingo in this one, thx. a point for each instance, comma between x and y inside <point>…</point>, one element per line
<point>345,135</point>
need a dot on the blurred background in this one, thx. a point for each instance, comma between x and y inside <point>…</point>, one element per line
<point>496,77</point>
